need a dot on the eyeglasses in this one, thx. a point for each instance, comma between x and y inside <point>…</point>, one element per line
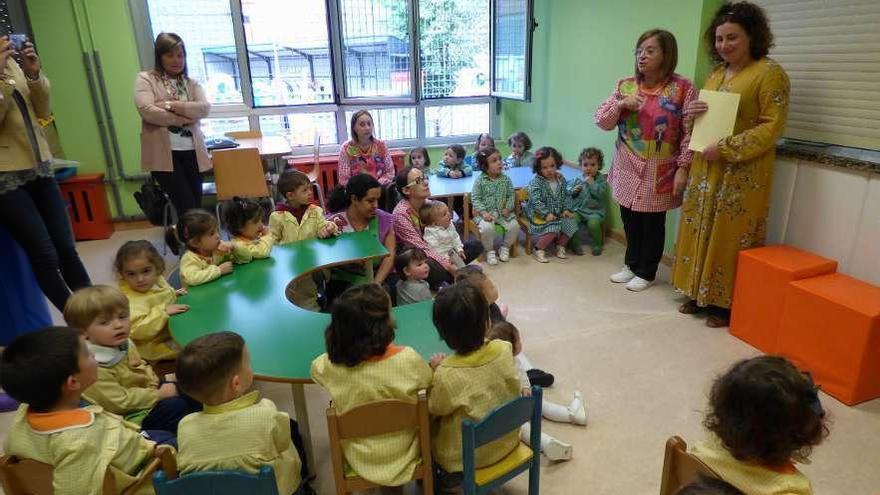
<point>419,180</point>
<point>647,51</point>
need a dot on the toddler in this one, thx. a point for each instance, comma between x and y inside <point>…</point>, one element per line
<point>440,233</point>
<point>493,199</point>
<point>550,217</point>
<point>484,141</point>
<point>151,300</point>
<point>412,267</point>
<point>520,156</point>
<point>590,198</point>
<point>250,238</point>
<point>362,365</point>
<point>453,165</point>
<point>419,158</point>
<point>206,258</point>
<point>764,415</point>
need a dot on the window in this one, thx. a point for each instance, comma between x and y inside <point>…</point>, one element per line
<point>218,127</point>
<point>300,128</point>
<point>391,124</point>
<point>456,120</point>
<point>512,45</point>
<point>454,53</point>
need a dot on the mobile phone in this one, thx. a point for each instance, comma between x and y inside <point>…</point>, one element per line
<point>17,41</point>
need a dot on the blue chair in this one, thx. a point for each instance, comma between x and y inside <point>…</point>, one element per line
<point>218,483</point>
<point>498,423</point>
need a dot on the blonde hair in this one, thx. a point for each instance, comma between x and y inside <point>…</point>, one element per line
<point>430,211</point>
<point>89,303</point>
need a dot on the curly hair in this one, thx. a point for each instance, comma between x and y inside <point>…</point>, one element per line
<point>543,153</point>
<point>134,249</point>
<point>765,410</point>
<point>361,325</point>
<point>522,137</point>
<point>592,153</point>
<point>241,211</point>
<point>483,157</point>
<point>751,18</point>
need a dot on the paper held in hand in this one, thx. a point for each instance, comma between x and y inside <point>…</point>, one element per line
<point>717,122</point>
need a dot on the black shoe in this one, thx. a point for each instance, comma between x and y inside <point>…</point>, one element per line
<point>539,378</point>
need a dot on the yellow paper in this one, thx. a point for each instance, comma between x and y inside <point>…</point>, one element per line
<point>717,122</point>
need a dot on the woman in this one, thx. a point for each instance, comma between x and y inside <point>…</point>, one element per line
<point>365,153</point>
<point>33,211</point>
<point>171,104</point>
<point>413,188</point>
<point>360,211</point>
<point>728,192</point>
<point>649,169</point>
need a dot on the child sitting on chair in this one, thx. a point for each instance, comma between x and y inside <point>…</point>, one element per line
<point>206,258</point>
<point>440,233</point>
<point>47,371</point>
<point>520,156</point>
<point>494,213</point>
<point>590,199</point>
<point>251,239</point>
<point>764,415</point>
<point>237,430</point>
<point>126,384</point>
<point>362,365</point>
<point>453,166</point>
<point>420,159</point>
<point>478,378</point>
<point>296,219</point>
<point>412,268</point>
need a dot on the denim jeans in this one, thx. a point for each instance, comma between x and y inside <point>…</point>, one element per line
<point>36,217</point>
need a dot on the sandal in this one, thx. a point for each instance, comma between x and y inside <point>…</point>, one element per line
<point>690,308</point>
<point>715,321</point>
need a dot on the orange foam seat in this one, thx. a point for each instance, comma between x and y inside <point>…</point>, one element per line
<point>762,277</point>
<point>831,327</point>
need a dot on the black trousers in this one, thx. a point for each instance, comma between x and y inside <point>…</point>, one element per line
<point>184,184</point>
<point>645,236</point>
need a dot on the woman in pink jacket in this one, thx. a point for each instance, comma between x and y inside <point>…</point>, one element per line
<point>171,105</point>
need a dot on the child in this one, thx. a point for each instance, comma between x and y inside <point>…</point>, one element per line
<point>419,158</point>
<point>412,267</point>
<point>126,384</point>
<point>484,142</point>
<point>709,486</point>
<point>473,274</point>
<point>363,365</point>
<point>493,199</point>
<point>550,219</point>
<point>440,233</point>
<point>251,239</point>
<point>297,219</point>
<point>520,144</point>
<point>453,165</point>
<point>589,198</point>
<point>151,300</point>
<point>206,258</point>
<point>47,371</point>
<point>575,413</point>
<point>237,430</point>
<point>764,415</point>
<point>478,378</point>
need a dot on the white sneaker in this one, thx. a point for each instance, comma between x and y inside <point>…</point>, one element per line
<point>623,276</point>
<point>560,253</point>
<point>638,284</point>
<point>557,451</point>
<point>504,254</point>
<point>539,255</point>
<point>491,258</point>
<point>577,411</point>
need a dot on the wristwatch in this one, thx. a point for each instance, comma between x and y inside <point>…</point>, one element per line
<point>168,105</point>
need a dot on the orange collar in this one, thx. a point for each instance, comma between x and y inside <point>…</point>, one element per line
<point>787,468</point>
<point>390,351</point>
<point>57,421</point>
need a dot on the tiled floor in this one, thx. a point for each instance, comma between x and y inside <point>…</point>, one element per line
<point>643,368</point>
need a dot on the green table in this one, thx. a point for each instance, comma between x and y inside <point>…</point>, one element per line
<point>283,339</point>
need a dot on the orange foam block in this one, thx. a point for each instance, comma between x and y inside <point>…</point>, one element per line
<point>831,327</point>
<point>762,278</point>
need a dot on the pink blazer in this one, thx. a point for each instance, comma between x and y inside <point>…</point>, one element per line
<point>149,94</point>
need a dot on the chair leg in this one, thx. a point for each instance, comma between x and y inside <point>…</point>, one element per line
<point>217,213</point>
<point>320,196</point>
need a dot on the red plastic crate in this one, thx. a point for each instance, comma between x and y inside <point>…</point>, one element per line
<point>87,207</point>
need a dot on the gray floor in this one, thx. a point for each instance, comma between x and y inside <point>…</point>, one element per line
<point>643,368</point>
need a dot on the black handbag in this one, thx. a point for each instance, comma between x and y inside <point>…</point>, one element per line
<point>152,200</point>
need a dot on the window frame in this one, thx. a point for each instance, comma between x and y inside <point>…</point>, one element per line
<point>143,30</point>
<point>530,27</point>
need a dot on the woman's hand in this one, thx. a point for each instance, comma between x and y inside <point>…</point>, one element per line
<point>712,152</point>
<point>30,62</point>
<point>680,181</point>
<point>631,102</point>
<point>176,309</point>
<point>550,217</point>
<point>6,51</point>
<point>695,107</point>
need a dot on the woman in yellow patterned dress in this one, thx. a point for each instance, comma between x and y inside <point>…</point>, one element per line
<point>728,193</point>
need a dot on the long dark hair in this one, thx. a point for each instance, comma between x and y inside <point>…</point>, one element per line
<point>165,43</point>
<point>358,186</point>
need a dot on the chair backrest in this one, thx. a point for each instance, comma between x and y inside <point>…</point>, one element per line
<point>244,134</point>
<point>378,418</point>
<point>681,468</point>
<point>218,483</point>
<point>25,476</point>
<point>239,172</point>
<point>522,195</point>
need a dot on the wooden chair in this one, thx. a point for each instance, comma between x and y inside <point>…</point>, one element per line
<point>522,195</point>
<point>244,134</point>
<point>20,476</point>
<point>239,172</point>
<point>313,170</point>
<point>378,418</point>
<point>498,423</point>
<point>681,468</point>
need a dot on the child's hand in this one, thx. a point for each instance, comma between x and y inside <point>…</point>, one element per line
<point>505,212</point>
<point>455,174</point>
<point>167,390</point>
<point>436,359</point>
<point>181,291</point>
<point>326,231</point>
<point>226,268</point>
<point>526,392</point>
<point>567,214</point>
<point>176,309</point>
<point>265,231</point>
<point>550,217</point>
<point>224,247</point>
<point>487,216</point>
<point>590,179</point>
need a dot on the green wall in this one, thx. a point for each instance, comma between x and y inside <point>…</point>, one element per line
<point>580,49</point>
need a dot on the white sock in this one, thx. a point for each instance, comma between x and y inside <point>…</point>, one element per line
<point>553,448</point>
<point>556,412</point>
<point>576,403</point>
<point>524,361</point>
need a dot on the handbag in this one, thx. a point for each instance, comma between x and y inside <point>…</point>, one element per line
<point>153,201</point>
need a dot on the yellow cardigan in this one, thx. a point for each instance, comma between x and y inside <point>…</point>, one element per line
<point>81,444</point>
<point>387,460</point>
<point>247,250</point>
<point>470,387</point>
<point>149,321</point>
<point>196,270</point>
<point>243,434</point>
<point>285,228</point>
<point>125,387</point>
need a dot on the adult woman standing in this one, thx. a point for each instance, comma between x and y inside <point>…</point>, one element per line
<point>171,104</point>
<point>728,193</point>
<point>34,212</point>
<point>649,169</point>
